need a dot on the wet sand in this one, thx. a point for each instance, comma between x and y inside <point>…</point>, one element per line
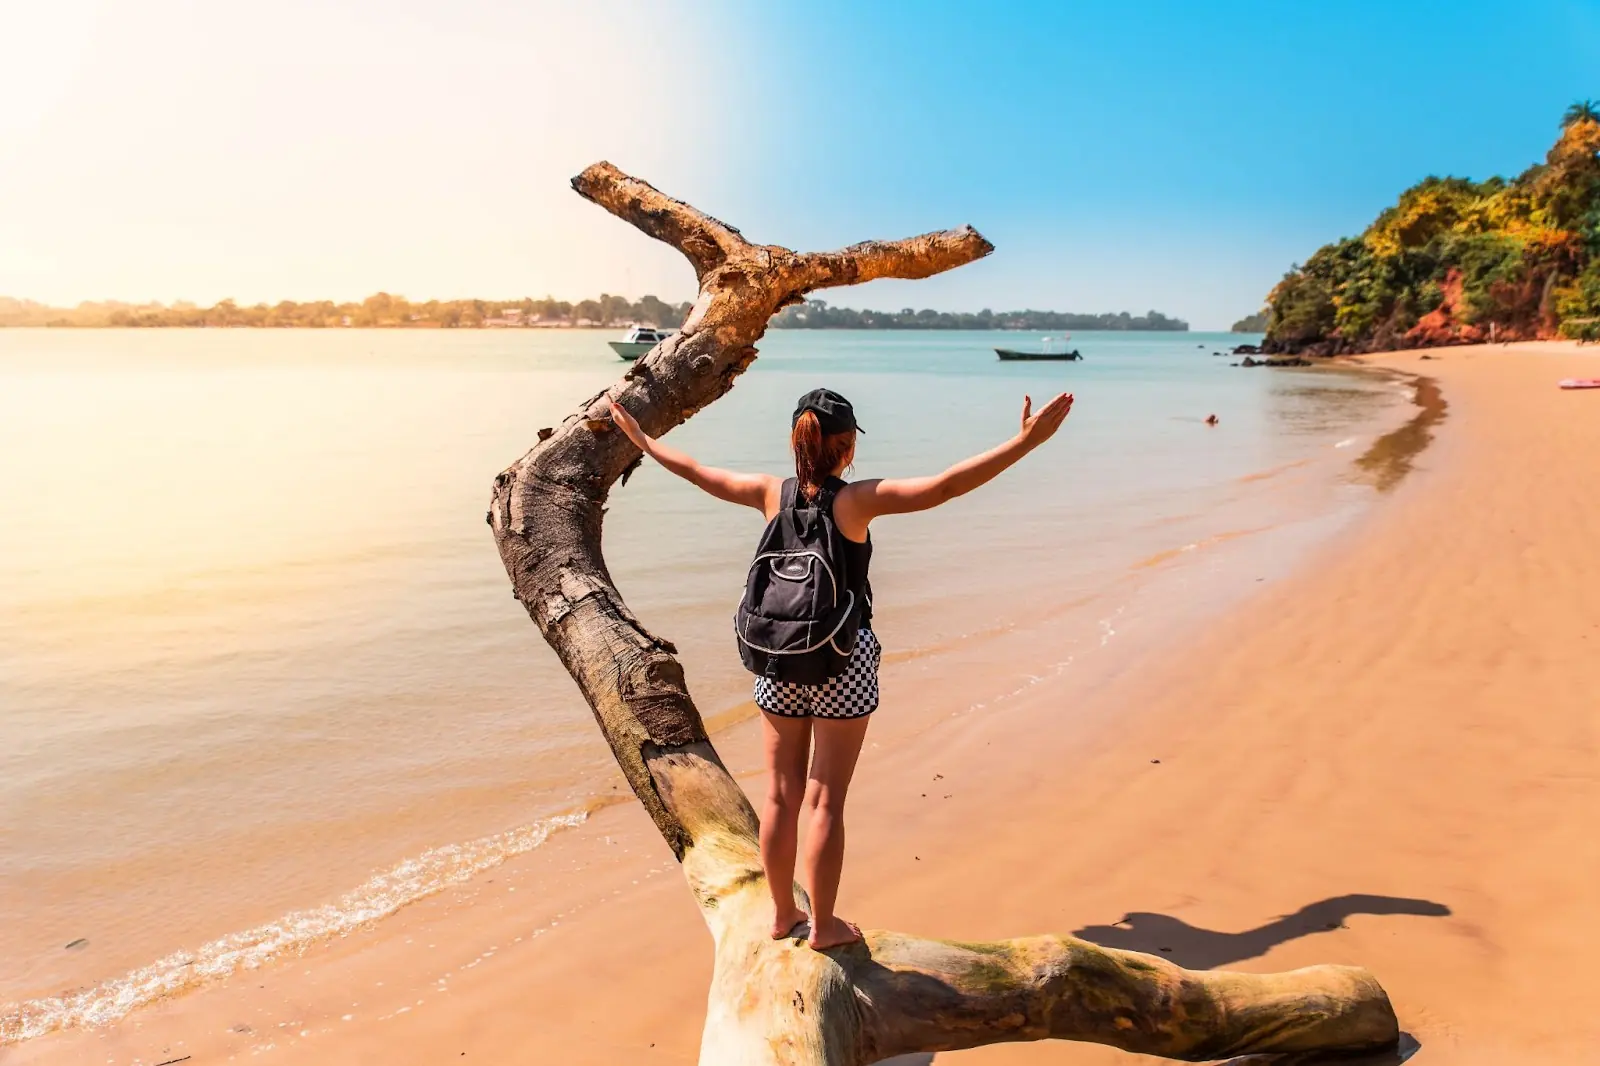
<point>1391,757</point>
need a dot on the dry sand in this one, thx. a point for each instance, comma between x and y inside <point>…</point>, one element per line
<point>1391,758</point>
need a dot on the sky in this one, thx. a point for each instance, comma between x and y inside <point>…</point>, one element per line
<point>1121,156</point>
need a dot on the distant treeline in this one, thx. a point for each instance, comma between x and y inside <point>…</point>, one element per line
<point>379,311</point>
<point>815,314</point>
<point>383,311</point>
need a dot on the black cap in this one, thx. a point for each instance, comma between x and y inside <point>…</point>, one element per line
<point>833,411</point>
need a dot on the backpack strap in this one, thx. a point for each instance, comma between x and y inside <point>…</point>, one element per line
<point>788,499</point>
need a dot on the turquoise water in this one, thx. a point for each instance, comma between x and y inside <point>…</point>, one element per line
<point>256,645</point>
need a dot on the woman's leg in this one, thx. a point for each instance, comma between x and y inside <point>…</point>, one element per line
<point>786,742</point>
<point>838,743</point>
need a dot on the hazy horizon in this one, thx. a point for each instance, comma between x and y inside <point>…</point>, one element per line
<point>1153,157</point>
<point>508,298</point>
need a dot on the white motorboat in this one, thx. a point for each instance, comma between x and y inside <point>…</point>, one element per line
<point>640,339</point>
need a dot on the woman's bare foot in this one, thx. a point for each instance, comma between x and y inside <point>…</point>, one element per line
<point>786,923</point>
<point>832,933</point>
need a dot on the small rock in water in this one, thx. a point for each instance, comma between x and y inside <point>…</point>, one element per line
<point>81,942</point>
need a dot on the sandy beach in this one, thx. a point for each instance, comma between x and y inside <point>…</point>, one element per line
<point>1389,757</point>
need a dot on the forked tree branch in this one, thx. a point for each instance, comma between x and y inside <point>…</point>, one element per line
<point>912,258</point>
<point>705,241</point>
<point>779,1002</point>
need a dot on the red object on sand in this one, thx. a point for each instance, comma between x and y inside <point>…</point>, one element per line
<point>1580,383</point>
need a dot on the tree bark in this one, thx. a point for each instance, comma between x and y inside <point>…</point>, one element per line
<point>779,1002</point>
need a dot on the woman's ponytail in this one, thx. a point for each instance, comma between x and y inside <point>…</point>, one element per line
<point>816,456</point>
<point>807,442</point>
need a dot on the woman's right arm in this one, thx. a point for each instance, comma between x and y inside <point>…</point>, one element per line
<point>866,500</point>
<point>750,490</point>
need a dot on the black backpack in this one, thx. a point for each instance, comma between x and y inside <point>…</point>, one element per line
<point>799,618</point>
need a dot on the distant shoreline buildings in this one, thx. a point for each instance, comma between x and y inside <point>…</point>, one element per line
<point>384,311</point>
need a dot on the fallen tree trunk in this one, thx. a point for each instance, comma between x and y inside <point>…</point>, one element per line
<point>779,1002</point>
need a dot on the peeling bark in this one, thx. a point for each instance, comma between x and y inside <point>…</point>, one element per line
<point>779,1002</point>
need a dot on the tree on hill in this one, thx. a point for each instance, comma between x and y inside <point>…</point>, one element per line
<point>1582,111</point>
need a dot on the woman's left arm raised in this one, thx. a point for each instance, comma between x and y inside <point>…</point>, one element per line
<point>749,490</point>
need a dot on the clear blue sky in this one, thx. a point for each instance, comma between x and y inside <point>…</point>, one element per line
<point>1122,156</point>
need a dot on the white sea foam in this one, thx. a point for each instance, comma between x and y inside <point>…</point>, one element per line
<point>1108,627</point>
<point>379,897</point>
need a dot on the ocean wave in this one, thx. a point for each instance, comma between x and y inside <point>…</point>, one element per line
<point>379,897</point>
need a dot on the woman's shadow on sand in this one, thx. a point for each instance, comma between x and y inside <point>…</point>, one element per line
<point>1203,949</point>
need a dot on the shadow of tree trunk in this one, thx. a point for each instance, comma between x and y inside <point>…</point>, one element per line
<point>1205,949</point>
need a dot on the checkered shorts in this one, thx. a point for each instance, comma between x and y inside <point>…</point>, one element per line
<point>853,694</point>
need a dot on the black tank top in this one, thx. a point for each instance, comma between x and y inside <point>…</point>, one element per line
<point>857,558</point>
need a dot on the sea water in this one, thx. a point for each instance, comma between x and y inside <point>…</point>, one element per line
<point>261,675</point>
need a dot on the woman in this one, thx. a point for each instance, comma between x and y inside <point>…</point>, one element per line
<point>832,718</point>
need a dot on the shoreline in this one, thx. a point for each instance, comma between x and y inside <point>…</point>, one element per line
<point>1294,794</point>
<point>1392,456</point>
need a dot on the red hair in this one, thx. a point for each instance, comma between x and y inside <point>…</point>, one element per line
<point>817,455</point>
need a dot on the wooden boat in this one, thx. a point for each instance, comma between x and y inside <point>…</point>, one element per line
<point>1010,354</point>
<point>1050,352</point>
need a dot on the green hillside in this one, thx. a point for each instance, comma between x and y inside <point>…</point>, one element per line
<point>1459,262</point>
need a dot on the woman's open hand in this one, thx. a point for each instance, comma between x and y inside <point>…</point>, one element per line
<point>629,426</point>
<point>1038,428</point>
